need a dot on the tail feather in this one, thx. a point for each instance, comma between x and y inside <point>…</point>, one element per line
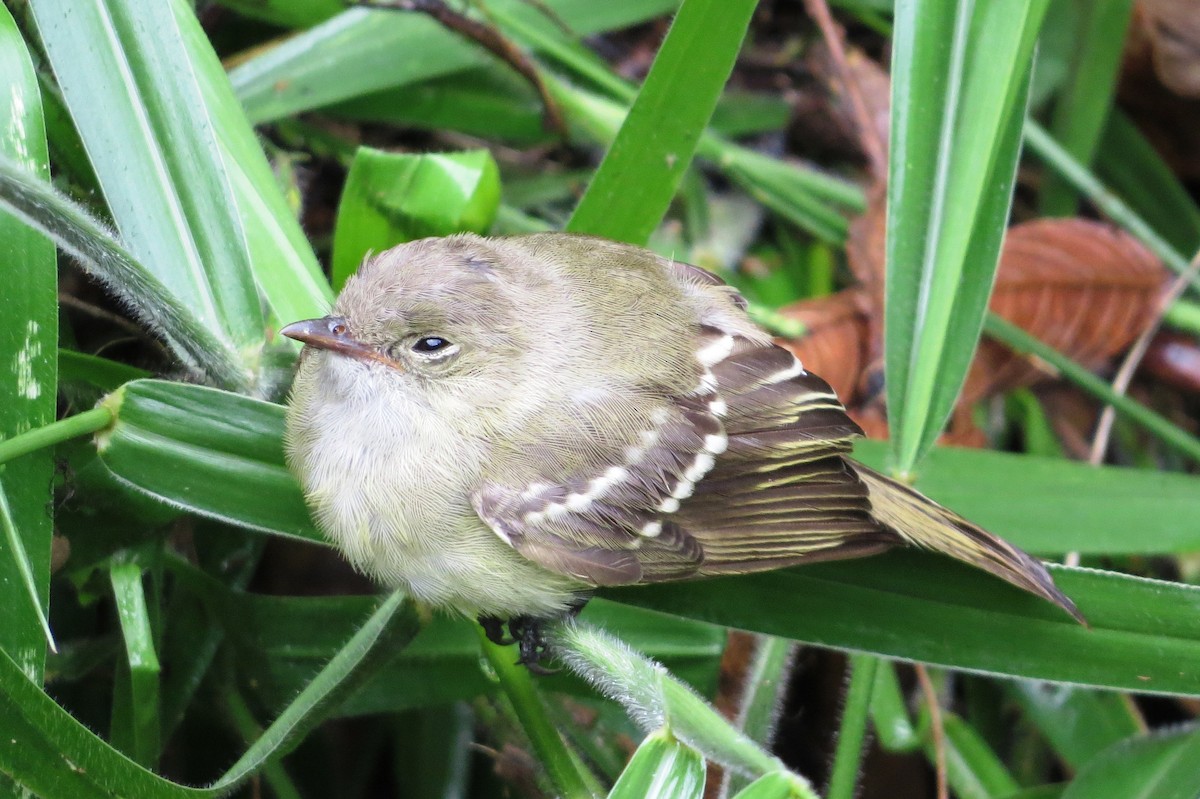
<point>922,522</point>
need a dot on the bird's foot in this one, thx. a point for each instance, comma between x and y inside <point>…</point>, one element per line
<point>526,633</point>
<point>493,628</point>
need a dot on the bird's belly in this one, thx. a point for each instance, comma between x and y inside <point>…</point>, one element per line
<point>406,521</point>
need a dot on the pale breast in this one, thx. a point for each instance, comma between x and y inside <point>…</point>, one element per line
<point>389,484</point>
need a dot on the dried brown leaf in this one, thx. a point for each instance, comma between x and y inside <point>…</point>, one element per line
<point>836,344</point>
<point>1085,288</point>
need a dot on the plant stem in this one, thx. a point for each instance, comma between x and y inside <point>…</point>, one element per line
<point>564,770</point>
<point>1158,425</point>
<point>847,758</point>
<point>56,432</point>
<point>1081,178</point>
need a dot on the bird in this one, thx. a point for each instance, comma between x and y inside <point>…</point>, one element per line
<point>501,426</point>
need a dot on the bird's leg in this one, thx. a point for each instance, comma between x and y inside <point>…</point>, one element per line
<point>493,628</point>
<point>527,631</point>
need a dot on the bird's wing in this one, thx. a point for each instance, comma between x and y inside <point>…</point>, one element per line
<point>745,473</point>
<point>609,518</point>
<point>783,492</point>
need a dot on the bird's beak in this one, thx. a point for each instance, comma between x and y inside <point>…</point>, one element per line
<point>333,334</point>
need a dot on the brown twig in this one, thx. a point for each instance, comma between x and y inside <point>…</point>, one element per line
<point>487,37</point>
<point>936,728</point>
<point>868,135</point>
<point>1129,365</point>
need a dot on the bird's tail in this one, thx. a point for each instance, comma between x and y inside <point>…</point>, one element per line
<point>922,522</point>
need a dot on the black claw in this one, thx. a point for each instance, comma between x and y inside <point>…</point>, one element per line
<point>526,633</point>
<point>493,628</point>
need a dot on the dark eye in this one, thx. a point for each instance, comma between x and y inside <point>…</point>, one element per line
<point>427,344</point>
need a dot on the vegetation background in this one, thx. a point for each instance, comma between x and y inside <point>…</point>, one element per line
<point>178,181</point>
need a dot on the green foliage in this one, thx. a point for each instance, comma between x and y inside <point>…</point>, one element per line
<point>179,650</point>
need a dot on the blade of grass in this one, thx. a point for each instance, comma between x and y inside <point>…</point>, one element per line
<point>1161,427</point>
<point>799,194</point>
<point>1083,104</point>
<point>58,756</point>
<point>630,192</point>
<point>973,769</point>
<point>142,713</point>
<point>26,585</point>
<point>1136,172</point>
<point>567,773</point>
<point>889,712</point>
<point>361,51</point>
<point>661,766</point>
<point>1045,147</point>
<point>287,13</point>
<point>1165,765</point>
<point>960,81</point>
<point>136,99</point>
<point>1078,723</point>
<point>28,341</point>
<point>892,604</point>
<point>852,731</point>
<point>284,265</point>
<point>39,205</point>
<point>391,198</point>
<point>1050,506</point>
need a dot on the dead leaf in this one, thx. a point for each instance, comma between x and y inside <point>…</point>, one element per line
<point>836,344</point>
<point>1085,288</point>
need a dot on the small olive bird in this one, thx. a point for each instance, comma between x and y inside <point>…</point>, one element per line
<point>501,425</point>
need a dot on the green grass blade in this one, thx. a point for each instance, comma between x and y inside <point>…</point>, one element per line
<point>20,581</point>
<point>847,759</point>
<point>39,205</point>
<point>1078,723</point>
<point>361,51</point>
<point>1135,171</point>
<point>1051,506</point>
<point>889,712</point>
<point>136,99</point>
<point>972,768</point>
<point>388,630</point>
<point>960,80</point>
<point>58,756</point>
<point>1155,423</point>
<point>661,766</point>
<point>92,370</point>
<point>391,198</point>
<point>1043,144</point>
<point>917,606</point>
<point>1164,765</point>
<point>28,342</point>
<point>284,265</point>
<point>207,451</point>
<point>287,13</point>
<point>217,454</point>
<point>1083,104</point>
<point>634,185</point>
<point>142,722</point>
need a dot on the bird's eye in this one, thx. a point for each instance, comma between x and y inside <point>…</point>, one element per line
<point>430,344</point>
